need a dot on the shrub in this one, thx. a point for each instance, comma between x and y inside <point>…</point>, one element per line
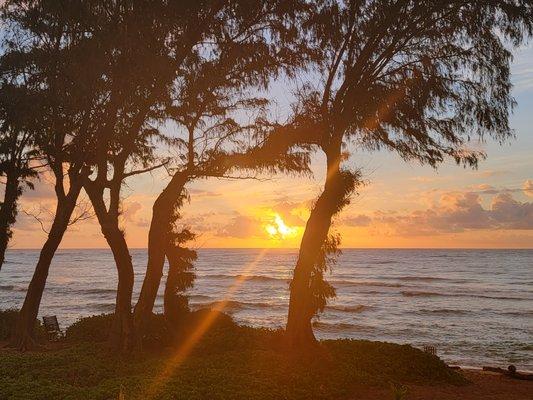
<point>8,319</point>
<point>7,322</point>
<point>228,362</point>
<point>90,329</point>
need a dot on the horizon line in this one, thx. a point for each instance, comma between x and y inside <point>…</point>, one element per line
<point>297,248</point>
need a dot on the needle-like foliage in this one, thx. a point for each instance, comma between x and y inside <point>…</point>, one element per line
<point>422,79</point>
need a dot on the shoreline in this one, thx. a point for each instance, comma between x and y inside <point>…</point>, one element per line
<point>480,369</point>
<point>482,385</point>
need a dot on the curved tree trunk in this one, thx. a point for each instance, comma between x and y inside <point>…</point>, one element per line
<point>23,336</point>
<point>121,336</point>
<point>8,210</point>
<point>158,240</point>
<point>299,331</point>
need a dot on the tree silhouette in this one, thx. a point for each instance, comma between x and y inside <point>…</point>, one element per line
<point>136,81</point>
<point>220,127</point>
<point>47,53</point>
<point>419,78</point>
<point>16,156</point>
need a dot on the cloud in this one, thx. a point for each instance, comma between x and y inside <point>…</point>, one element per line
<point>290,212</point>
<point>508,213</point>
<point>358,220</point>
<point>528,188</point>
<point>454,212</point>
<point>199,223</point>
<point>131,213</point>
<point>26,222</point>
<point>43,191</point>
<point>490,173</point>
<point>241,227</point>
<point>489,189</point>
<point>429,179</point>
<point>203,193</point>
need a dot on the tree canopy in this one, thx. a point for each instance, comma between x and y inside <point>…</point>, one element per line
<point>422,79</point>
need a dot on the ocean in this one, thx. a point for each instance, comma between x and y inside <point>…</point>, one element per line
<point>474,306</point>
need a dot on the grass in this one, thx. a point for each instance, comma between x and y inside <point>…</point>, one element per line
<point>230,362</point>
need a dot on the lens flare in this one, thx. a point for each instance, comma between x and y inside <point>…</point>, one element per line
<point>190,342</point>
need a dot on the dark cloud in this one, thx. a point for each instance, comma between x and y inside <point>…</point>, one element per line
<point>455,212</point>
<point>511,214</point>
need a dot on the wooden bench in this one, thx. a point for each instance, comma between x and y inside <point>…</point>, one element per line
<point>52,327</point>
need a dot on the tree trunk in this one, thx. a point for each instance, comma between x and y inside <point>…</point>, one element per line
<point>8,211</point>
<point>172,308</point>
<point>23,336</point>
<point>299,331</point>
<point>121,336</point>
<point>158,240</point>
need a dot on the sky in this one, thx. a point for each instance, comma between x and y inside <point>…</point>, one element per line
<point>401,205</point>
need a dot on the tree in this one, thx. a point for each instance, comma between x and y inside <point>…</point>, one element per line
<point>47,44</point>
<point>16,155</point>
<point>136,82</point>
<point>418,78</point>
<point>246,45</point>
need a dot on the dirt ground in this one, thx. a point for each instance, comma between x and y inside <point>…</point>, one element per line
<point>484,386</point>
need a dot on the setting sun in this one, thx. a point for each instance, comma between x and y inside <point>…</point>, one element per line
<point>279,230</point>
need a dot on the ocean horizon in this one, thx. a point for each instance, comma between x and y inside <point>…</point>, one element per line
<point>474,305</point>
<point>293,248</point>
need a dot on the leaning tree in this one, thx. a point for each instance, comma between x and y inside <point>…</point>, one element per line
<point>219,129</point>
<point>56,68</point>
<point>134,38</point>
<point>418,78</point>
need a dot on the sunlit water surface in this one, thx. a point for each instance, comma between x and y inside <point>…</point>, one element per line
<point>475,306</point>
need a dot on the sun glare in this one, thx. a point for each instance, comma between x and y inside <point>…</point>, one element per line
<point>279,230</point>
<point>190,342</point>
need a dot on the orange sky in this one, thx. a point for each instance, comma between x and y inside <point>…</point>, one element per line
<point>402,205</point>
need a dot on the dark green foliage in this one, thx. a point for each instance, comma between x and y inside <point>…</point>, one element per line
<point>320,288</point>
<point>7,323</point>
<point>399,391</point>
<point>16,154</point>
<point>180,273</point>
<point>419,78</point>
<point>91,329</point>
<point>230,362</point>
